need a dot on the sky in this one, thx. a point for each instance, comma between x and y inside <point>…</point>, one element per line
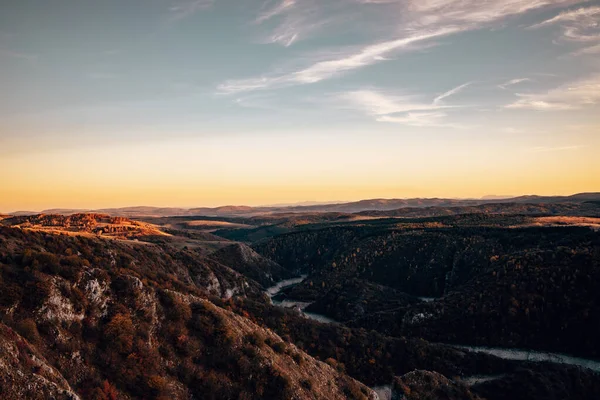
<point>211,102</point>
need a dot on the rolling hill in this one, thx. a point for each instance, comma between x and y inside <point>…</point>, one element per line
<point>348,207</point>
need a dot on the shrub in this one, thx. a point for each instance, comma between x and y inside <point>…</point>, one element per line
<point>306,384</point>
<point>178,310</point>
<point>119,332</point>
<point>74,261</point>
<point>10,294</point>
<point>28,329</point>
<point>254,339</point>
<point>38,291</point>
<point>279,347</point>
<point>157,384</point>
<point>297,358</point>
<point>105,392</point>
<point>354,391</point>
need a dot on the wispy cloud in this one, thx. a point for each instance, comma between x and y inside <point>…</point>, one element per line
<point>513,82</point>
<point>530,103</point>
<point>327,69</point>
<point>419,21</point>
<point>422,120</point>
<point>288,31</point>
<point>366,56</point>
<point>575,95</point>
<point>584,15</point>
<point>595,49</point>
<point>297,20</point>
<point>185,8</point>
<point>451,92</point>
<point>375,102</point>
<point>467,11</point>
<point>401,109</point>
<point>275,10</point>
<point>475,11</point>
<point>580,25</point>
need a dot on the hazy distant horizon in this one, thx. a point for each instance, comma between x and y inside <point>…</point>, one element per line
<point>487,198</point>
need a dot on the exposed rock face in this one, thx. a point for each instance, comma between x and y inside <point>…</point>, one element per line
<point>26,374</point>
<point>56,307</point>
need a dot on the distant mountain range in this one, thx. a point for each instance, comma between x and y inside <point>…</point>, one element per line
<point>349,207</point>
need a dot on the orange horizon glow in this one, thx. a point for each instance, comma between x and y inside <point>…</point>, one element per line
<point>262,171</point>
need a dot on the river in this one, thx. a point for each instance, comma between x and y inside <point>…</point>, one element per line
<point>279,286</point>
<point>534,356</point>
<point>385,392</point>
<point>300,305</point>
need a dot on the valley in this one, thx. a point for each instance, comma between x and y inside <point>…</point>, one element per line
<point>479,305</point>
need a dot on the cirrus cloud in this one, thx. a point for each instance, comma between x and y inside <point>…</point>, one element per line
<point>186,8</point>
<point>322,70</point>
<point>575,95</point>
<point>417,23</point>
<point>581,25</point>
<point>400,109</point>
<point>513,82</point>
